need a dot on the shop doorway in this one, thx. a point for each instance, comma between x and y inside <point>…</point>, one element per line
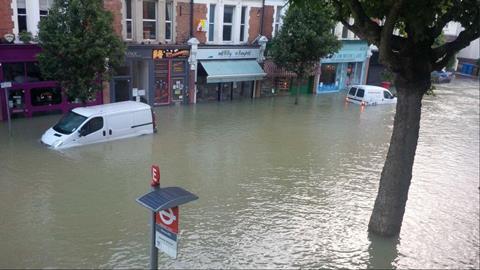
<point>121,90</point>
<point>140,80</point>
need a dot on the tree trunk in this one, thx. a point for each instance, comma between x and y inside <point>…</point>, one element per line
<point>298,90</point>
<point>387,215</point>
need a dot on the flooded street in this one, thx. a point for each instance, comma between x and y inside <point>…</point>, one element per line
<point>280,186</point>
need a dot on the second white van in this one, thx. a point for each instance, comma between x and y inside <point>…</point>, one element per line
<point>370,95</point>
<point>86,125</point>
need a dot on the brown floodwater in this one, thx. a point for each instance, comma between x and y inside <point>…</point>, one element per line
<point>280,186</point>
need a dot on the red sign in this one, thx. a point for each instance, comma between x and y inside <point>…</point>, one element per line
<point>168,219</point>
<point>155,176</point>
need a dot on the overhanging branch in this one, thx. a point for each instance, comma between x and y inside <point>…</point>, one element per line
<point>442,54</point>
<point>385,48</point>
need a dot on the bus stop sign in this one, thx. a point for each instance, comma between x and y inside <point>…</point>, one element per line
<point>168,219</point>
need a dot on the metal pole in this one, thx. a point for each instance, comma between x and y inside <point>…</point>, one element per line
<point>153,248</point>
<point>8,112</point>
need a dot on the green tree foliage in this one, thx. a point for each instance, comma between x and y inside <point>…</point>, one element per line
<point>411,55</point>
<point>305,37</point>
<point>80,48</point>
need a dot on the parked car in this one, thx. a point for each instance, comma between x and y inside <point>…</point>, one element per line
<point>441,76</point>
<point>86,125</point>
<point>370,95</point>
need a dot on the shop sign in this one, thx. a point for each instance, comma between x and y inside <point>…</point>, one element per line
<point>346,56</point>
<point>169,53</point>
<point>132,54</point>
<point>247,53</point>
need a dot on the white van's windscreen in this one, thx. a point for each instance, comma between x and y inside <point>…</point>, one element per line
<point>360,93</point>
<point>352,91</point>
<point>69,123</point>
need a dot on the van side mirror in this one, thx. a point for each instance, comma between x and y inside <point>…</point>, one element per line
<point>82,132</point>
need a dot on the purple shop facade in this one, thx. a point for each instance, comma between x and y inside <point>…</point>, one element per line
<point>31,95</point>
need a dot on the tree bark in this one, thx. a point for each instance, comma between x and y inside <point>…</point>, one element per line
<point>389,208</point>
<point>298,90</point>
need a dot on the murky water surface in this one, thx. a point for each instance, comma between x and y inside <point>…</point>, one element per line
<point>279,185</point>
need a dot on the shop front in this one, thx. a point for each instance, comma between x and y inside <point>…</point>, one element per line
<point>227,73</point>
<point>346,67</point>
<point>153,74</point>
<point>278,81</point>
<point>30,93</point>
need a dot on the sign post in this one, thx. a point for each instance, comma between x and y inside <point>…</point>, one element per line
<point>153,249</point>
<point>5,86</point>
<point>164,202</point>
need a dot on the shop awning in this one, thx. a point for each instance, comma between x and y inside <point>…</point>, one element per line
<point>232,71</point>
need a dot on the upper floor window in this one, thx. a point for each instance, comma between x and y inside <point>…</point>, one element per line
<point>168,20</point>
<point>211,22</point>
<point>128,19</point>
<point>21,15</point>
<point>278,20</point>
<point>44,7</point>
<point>149,19</point>
<point>228,22</point>
<point>242,24</point>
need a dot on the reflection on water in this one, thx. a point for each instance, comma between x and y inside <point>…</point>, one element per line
<point>279,186</point>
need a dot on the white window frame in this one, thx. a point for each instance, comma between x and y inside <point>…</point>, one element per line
<point>243,38</point>
<point>22,15</point>
<point>231,24</point>
<point>278,22</point>
<point>49,5</point>
<point>150,20</point>
<point>169,22</point>
<point>211,22</point>
<point>129,20</point>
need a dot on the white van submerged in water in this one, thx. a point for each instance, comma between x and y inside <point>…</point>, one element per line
<point>370,95</point>
<point>86,125</point>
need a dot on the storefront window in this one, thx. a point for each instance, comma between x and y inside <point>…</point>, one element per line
<point>206,91</point>
<point>33,72</point>
<point>282,85</point>
<point>45,96</point>
<point>328,77</point>
<point>14,72</point>
<point>178,67</point>
<point>226,91</point>
<point>122,71</point>
<point>16,100</point>
<point>242,89</point>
